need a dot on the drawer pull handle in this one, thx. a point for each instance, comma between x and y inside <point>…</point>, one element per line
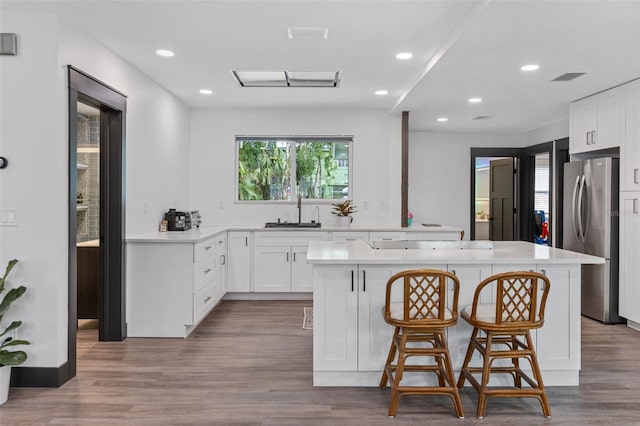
<point>206,299</point>
<point>635,175</point>
<point>453,271</point>
<point>635,206</point>
<point>223,259</point>
<point>206,271</point>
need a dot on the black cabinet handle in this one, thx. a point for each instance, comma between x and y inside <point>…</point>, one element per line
<point>364,280</point>
<point>352,280</point>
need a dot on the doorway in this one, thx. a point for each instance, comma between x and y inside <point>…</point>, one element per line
<point>88,216</point>
<point>96,209</point>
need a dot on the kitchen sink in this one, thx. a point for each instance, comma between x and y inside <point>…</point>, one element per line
<point>292,225</point>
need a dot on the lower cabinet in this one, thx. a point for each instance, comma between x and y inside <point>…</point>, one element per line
<point>629,297</point>
<point>172,286</point>
<point>280,261</point>
<point>239,268</point>
<point>351,339</point>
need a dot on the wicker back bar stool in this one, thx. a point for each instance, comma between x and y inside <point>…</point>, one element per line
<point>429,305</point>
<point>520,299</point>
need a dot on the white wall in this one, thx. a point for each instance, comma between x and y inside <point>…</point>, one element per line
<point>439,173</point>
<point>34,138</point>
<point>376,162</point>
<point>551,132</point>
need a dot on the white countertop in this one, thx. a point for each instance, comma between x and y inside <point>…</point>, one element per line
<point>504,252</point>
<point>197,235</point>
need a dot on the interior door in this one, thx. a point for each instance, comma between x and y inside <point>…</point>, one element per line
<point>501,199</point>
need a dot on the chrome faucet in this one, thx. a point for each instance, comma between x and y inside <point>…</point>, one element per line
<point>299,207</point>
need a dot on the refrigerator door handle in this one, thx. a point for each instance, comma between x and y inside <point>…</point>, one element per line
<point>583,201</point>
<point>573,208</point>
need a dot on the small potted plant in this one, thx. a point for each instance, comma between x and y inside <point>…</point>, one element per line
<point>9,357</point>
<point>344,210</point>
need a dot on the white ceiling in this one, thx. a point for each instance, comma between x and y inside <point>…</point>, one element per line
<point>461,49</point>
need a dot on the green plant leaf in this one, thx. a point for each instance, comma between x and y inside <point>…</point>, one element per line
<point>7,271</point>
<point>12,358</point>
<point>11,297</point>
<point>12,326</point>
<point>15,343</point>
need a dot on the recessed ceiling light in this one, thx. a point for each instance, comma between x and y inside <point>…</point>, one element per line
<point>531,67</point>
<point>404,55</point>
<point>165,53</point>
<point>381,92</point>
<point>475,100</point>
<point>206,91</point>
<point>443,119</point>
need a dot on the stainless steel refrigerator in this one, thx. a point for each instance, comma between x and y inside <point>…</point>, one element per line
<point>590,226</point>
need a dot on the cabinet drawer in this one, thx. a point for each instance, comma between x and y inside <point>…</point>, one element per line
<point>203,301</point>
<point>203,272</point>
<point>203,249</point>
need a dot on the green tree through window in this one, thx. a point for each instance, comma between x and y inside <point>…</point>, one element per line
<point>266,167</point>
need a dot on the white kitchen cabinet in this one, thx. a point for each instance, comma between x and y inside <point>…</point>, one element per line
<point>596,122</point>
<point>279,262</point>
<point>630,148</point>
<point>351,339</point>
<point>629,296</point>
<point>272,269</point>
<point>239,265</point>
<point>172,285</point>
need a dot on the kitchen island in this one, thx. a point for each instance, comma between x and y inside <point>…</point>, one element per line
<point>351,339</point>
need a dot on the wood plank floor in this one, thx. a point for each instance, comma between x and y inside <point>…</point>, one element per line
<point>249,363</point>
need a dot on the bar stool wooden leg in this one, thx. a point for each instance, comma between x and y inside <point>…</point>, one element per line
<point>517,377</point>
<point>455,395</point>
<point>390,358</point>
<point>467,359</point>
<point>486,372</point>
<point>546,410</point>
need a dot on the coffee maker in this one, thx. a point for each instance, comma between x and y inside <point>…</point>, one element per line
<point>177,221</point>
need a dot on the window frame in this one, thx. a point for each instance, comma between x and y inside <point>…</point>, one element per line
<point>292,140</point>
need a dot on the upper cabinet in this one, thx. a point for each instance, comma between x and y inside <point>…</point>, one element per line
<point>630,148</point>
<point>597,122</point>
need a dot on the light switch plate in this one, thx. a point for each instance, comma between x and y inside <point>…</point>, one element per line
<point>8,217</point>
<point>8,44</point>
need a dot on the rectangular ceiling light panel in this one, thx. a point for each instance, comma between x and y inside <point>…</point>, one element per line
<point>261,78</point>
<point>287,78</point>
<point>313,79</point>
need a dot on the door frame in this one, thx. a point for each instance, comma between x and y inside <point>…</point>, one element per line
<point>494,152</point>
<point>112,282</point>
<point>559,150</point>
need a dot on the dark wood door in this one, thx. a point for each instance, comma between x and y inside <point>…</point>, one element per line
<point>501,199</point>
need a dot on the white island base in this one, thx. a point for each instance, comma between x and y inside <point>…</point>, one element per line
<point>351,339</point>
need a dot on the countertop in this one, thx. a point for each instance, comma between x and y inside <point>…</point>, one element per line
<point>197,235</point>
<point>504,252</point>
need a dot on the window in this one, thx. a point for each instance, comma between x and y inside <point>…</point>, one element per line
<point>279,168</point>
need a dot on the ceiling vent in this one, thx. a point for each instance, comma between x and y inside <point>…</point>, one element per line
<point>287,78</point>
<point>569,76</point>
<point>320,33</point>
<point>481,117</point>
